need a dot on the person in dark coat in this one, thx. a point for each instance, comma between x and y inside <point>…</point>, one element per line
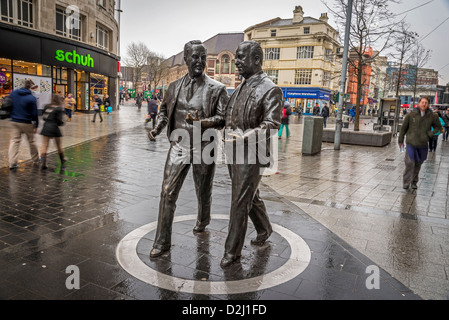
<point>286,112</point>
<point>98,103</point>
<point>325,114</point>
<point>53,116</point>
<point>153,109</point>
<point>107,103</point>
<point>316,110</point>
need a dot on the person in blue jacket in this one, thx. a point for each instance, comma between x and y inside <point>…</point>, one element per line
<point>433,142</point>
<point>25,120</point>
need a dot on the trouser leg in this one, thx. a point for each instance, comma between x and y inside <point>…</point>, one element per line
<point>411,171</point>
<point>14,144</point>
<point>245,181</point>
<point>29,131</point>
<point>281,129</point>
<point>287,129</point>
<point>203,177</point>
<point>174,176</point>
<point>259,217</point>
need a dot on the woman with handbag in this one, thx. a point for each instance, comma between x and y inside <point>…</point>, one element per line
<point>53,116</point>
<point>97,104</point>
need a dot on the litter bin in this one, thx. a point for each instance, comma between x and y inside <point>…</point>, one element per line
<point>312,136</point>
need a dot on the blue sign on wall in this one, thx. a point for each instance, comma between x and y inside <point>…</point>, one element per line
<point>306,93</point>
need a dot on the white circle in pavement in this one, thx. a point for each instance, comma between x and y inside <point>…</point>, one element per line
<point>129,260</point>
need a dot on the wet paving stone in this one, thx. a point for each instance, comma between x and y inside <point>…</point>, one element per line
<point>110,188</point>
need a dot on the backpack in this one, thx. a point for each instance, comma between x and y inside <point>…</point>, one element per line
<point>284,113</point>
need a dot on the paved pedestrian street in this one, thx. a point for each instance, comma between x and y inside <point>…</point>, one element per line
<point>344,229</point>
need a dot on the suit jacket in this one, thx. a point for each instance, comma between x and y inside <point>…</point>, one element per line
<point>215,99</point>
<point>263,106</point>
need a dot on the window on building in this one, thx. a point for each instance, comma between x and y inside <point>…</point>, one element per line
<point>273,75</point>
<point>303,76</point>
<point>326,79</point>
<point>272,53</point>
<point>25,13</point>
<point>102,3</point>
<point>328,55</point>
<point>20,12</point>
<point>217,66</point>
<point>225,63</point>
<point>305,52</point>
<point>273,33</point>
<point>102,37</point>
<point>306,30</point>
<point>61,25</point>
<point>6,11</point>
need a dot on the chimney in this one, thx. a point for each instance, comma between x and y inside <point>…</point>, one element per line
<point>324,17</point>
<point>298,14</point>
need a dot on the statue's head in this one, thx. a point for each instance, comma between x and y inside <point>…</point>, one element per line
<point>195,56</point>
<point>249,58</point>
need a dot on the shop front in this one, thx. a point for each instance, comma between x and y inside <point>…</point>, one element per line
<point>306,98</point>
<point>55,65</point>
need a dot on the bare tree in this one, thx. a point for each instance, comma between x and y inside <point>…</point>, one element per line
<point>403,43</point>
<point>372,27</point>
<point>136,58</point>
<point>418,59</point>
<point>157,69</point>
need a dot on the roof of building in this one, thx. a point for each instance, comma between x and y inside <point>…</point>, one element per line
<point>278,22</point>
<point>215,45</point>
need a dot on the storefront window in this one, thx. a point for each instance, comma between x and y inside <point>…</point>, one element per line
<point>5,78</point>
<point>98,85</point>
<point>82,90</point>
<point>34,69</point>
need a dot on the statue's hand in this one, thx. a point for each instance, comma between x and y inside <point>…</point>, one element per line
<point>190,119</point>
<point>152,135</point>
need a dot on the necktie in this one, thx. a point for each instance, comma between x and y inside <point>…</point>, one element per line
<point>191,89</point>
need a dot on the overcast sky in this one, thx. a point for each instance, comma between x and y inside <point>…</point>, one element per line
<point>166,25</point>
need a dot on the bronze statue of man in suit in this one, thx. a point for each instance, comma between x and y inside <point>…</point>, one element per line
<point>193,94</point>
<point>254,108</point>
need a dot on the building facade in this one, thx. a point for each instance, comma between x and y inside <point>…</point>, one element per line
<point>414,83</point>
<point>220,65</point>
<point>300,57</point>
<point>63,46</point>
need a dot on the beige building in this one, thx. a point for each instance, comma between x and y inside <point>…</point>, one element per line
<point>65,46</point>
<point>220,61</point>
<point>299,56</point>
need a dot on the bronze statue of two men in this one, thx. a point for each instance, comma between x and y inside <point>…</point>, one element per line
<point>254,108</point>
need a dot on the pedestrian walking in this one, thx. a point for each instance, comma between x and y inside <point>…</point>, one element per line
<point>107,103</point>
<point>25,120</point>
<point>139,99</point>
<point>54,118</point>
<point>69,105</point>
<point>97,104</point>
<point>417,129</point>
<point>153,109</point>
<point>433,142</point>
<point>446,124</point>
<point>286,112</point>
<point>325,114</point>
<point>316,110</point>
<point>352,114</point>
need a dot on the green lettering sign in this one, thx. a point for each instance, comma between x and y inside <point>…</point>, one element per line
<point>75,58</point>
